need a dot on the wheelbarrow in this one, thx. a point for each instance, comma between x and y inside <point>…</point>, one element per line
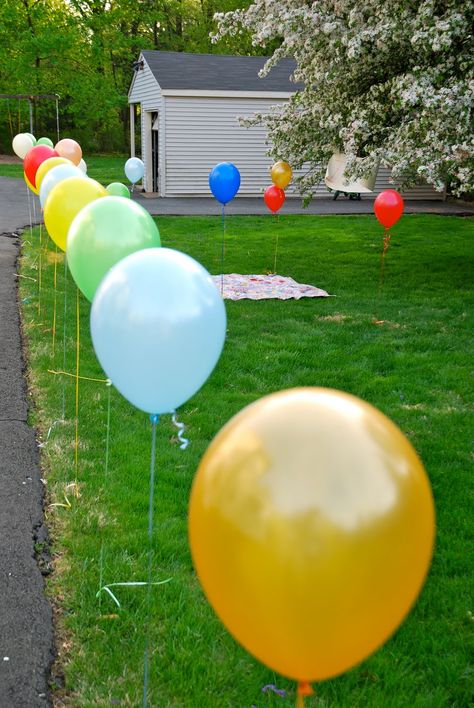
<point>337,183</point>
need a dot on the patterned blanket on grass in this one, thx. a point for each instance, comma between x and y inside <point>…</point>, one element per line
<point>262,287</point>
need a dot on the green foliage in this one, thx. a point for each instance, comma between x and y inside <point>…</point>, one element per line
<point>415,368</point>
<point>83,51</point>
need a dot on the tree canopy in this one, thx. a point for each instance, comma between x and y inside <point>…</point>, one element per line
<point>83,50</point>
<point>389,81</point>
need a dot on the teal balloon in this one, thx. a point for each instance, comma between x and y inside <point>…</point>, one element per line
<point>117,189</point>
<point>45,141</point>
<point>103,234</point>
<point>158,326</point>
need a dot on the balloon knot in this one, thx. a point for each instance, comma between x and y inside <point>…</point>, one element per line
<point>155,418</point>
<point>305,689</point>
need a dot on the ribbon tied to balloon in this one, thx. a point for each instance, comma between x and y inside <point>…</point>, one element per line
<point>274,195</point>
<point>311,525</point>
<point>388,208</point>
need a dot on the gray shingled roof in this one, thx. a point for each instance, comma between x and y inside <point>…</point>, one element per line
<point>218,72</point>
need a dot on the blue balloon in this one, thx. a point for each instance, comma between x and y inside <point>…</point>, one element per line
<point>224,181</point>
<point>56,175</point>
<point>158,326</point>
<point>134,169</point>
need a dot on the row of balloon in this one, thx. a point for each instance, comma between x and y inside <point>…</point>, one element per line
<point>98,228</point>
<point>153,309</point>
<point>283,519</point>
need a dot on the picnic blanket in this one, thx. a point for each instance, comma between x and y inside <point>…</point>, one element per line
<point>263,287</point>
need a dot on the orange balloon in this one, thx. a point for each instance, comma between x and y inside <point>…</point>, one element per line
<point>281,174</point>
<point>70,149</point>
<point>64,201</point>
<point>48,165</point>
<point>311,525</point>
<point>29,185</point>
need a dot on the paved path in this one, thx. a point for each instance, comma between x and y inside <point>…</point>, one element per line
<point>26,634</point>
<point>202,206</point>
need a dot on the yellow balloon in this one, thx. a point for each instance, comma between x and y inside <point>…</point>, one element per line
<point>281,174</point>
<point>48,165</point>
<point>311,527</point>
<point>29,185</point>
<point>66,200</point>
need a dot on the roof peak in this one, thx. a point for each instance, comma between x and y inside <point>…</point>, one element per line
<point>218,72</point>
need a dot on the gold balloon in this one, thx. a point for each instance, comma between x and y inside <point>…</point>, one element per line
<point>281,174</point>
<point>311,527</point>
<point>46,166</point>
<point>66,200</point>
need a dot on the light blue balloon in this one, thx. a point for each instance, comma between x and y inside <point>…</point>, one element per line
<point>56,175</point>
<point>134,169</point>
<point>158,326</point>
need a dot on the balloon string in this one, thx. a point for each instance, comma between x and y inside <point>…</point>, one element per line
<point>40,261</point>
<point>386,241</point>
<point>385,244</point>
<point>74,376</point>
<point>181,428</point>
<point>304,689</point>
<point>276,244</point>
<point>223,250</point>
<point>55,282</point>
<point>78,349</point>
<point>154,420</point>
<point>29,211</point>
<point>108,383</point>
<point>64,336</point>
<point>106,474</point>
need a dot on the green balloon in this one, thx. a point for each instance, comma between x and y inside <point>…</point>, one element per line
<point>117,189</point>
<point>45,141</point>
<point>103,232</point>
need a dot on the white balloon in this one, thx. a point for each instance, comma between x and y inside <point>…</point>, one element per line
<point>56,175</point>
<point>22,144</point>
<point>82,166</point>
<point>134,169</point>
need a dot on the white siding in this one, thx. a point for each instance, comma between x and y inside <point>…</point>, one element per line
<point>200,132</point>
<point>146,91</point>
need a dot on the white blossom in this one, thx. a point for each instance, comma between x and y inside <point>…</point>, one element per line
<point>389,81</point>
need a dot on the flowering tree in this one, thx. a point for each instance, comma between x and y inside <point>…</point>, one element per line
<point>388,80</point>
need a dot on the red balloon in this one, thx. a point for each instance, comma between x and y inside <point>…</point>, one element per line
<point>34,158</point>
<point>388,207</point>
<point>274,197</point>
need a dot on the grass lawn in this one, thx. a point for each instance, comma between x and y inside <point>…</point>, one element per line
<point>103,168</point>
<point>416,368</point>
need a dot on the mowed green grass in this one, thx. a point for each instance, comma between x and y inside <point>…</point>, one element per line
<point>103,168</point>
<point>416,368</point>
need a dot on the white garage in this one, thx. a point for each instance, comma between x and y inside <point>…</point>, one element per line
<point>189,105</point>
